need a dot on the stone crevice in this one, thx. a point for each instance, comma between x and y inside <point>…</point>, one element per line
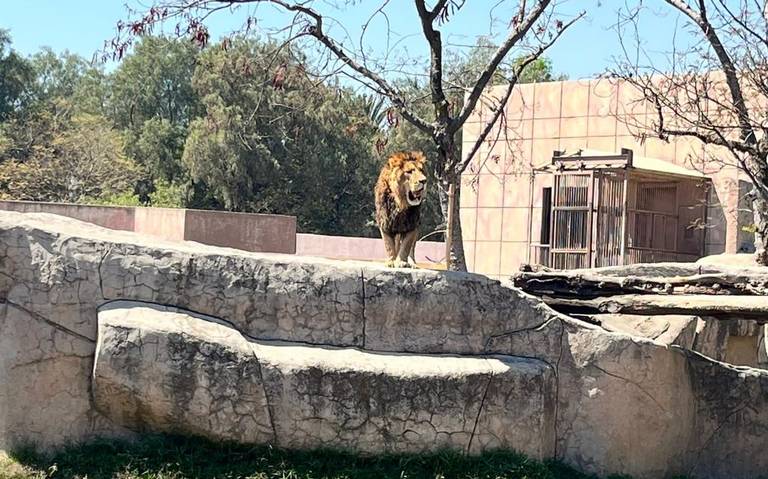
<point>479,413</point>
<point>47,321</point>
<point>47,360</point>
<point>268,399</point>
<point>695,464</point>
<point>561,344</point>
<point>100,272</point>
<point>629,381</point>
<point>504,334</point>
<point>363,299</point>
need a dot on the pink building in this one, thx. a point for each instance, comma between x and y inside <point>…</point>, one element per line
<point>565,183</point>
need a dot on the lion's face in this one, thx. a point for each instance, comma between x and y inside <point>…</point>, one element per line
<point>407,178</point>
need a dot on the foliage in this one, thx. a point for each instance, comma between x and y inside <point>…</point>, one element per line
<point>125,198</point>
<point>155,82</point>
<point>237,125</point>
<point>68,76</point>
<point>158,145</point>
<point>301,148</point>
<point>58,88</point>
<point>539,70</point>
<point>157,457</point>
<point>83,160</point>
<point>168,195</point>
<point>153,100</point>
<point>31,132</point>
<point>165,195</point>
<point>16,74</point>
<point>463,70</point>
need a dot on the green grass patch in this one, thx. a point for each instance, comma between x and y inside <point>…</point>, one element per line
<point>163,457</point>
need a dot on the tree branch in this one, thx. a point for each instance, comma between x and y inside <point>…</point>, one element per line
<point>498,110</point>
<point>515,35</point>
<point>439,6</point>
<point>318,33</point>
<point>436,63</point>
<point>731,78</point>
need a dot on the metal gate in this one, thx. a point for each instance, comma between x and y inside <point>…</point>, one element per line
<point>572,220</point>
<point>588,219</point>
<point>610,224</point>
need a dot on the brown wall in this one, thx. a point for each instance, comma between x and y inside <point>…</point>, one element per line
<point>346,247</point>
<point>165,223</point>
<point>250,232</point>
<point>112,217</point>
<point>499,200</point>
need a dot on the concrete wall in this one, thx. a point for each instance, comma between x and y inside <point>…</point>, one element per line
<point>112,217</point>
<point>165,223</point>
<point>347,247</point>
<point>498,199</point>
<point>249,232</point>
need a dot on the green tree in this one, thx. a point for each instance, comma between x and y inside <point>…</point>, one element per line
<point>158,145</point>
<point>84,160</point>
<point>272,140</point>
<point>155,82</point>
<point>59,87</point>
<point>16,77</point>
<point>154,102</point>
<point>69,77</point>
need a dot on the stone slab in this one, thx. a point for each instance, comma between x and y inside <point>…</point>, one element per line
<point>165,370</point>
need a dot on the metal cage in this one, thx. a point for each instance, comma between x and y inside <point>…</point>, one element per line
<point>604,211</point>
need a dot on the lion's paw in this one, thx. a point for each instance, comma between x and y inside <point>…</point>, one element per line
<point>401,264</point>
<point>390,263</point>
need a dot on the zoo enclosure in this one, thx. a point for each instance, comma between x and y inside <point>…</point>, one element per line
<point>610,210</point>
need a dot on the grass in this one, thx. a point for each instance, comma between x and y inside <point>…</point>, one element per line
<point>163,457</point>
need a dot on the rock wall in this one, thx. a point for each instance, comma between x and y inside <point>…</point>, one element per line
<point>110,333</point>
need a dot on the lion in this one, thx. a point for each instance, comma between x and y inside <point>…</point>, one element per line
<point>399,192</point>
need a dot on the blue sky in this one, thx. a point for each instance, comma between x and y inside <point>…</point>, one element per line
<point>82,26</point>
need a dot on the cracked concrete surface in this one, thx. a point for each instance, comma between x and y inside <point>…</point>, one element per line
<point>161,369</point>
<point>532,379</point>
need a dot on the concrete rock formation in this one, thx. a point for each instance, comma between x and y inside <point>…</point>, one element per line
<point>109,333</point>
<point>163,369</point>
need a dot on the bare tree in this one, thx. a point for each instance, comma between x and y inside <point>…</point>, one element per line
<point>530,27</point>
<point>714,89</point>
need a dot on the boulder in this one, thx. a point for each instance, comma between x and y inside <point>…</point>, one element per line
<point>307,352</point>
<point>161,369</point>
<point>665,329</point>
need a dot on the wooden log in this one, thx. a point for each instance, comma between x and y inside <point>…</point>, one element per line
<point>571,284</point>
<point>722,307</point>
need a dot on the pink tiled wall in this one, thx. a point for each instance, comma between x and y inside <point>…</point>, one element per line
<point>500,201</point>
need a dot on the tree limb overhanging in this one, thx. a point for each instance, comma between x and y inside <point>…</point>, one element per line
<point>513,38</point>
<point>714,90</point>
<point>498,109</point>
<point>528,20</point>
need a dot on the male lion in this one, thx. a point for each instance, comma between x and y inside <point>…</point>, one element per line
<point>399,193</point>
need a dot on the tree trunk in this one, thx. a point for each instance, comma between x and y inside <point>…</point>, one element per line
<point>445,172</point>
<point>591,284</point>
<point>456,261</point>
<point>760,211</point>
<point>721,306</point>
